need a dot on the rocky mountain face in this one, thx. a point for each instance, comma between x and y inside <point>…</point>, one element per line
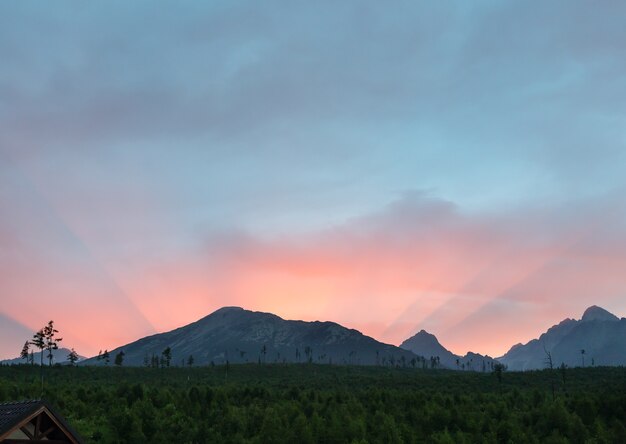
<point>238,336</point>
<point>59,357</point>
<point>598,338</point>
<point>427,345</point>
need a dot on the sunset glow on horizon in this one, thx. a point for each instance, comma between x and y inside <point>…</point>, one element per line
<point>454,168</point>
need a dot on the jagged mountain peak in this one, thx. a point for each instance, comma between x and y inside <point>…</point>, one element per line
<point>427,344</point>
<point>600,333</point>
<point>595,313</point>
<point>422,336</point>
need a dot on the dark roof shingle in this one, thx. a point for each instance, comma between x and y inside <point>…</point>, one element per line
<point>12,413</point>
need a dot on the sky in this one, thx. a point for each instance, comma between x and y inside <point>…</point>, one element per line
<point>453,166</point>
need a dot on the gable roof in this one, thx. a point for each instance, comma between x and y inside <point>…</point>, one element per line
<point>14,414</point>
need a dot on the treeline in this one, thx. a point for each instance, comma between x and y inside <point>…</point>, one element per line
<point>334,404</point>
<point>154,361</point>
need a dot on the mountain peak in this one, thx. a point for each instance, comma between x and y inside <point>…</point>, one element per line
<point>595,313</point>
<point>424,342</point>
<point>228,309</point>
<point>235,335</point>
<point>423,335</point>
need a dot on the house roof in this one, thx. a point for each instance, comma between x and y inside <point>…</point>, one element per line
<point>12,414</point>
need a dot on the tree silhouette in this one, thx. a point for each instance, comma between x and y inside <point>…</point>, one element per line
<point>550,365</point>
<point>52,343</point>
<point>548,360</point>
<point>39,341</point>
<point>25,351</point>
<point>190,360</point>
<point>105,357</point>
<point>119,358</point>
<point>72,357</point>
<point>167,356</point>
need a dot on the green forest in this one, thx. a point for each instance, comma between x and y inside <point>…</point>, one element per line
<point>309,403</point>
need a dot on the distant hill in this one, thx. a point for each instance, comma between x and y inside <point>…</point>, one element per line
<point>426,344</point>
<point>236,335</point>
<point>601,334</point>
<point>59,357</point>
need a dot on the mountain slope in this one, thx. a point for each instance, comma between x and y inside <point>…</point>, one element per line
<point>426,344</point>
<point>236,335</point>
<point>599,333</point>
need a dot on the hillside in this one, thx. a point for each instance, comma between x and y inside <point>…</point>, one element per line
<point>238,336</point>
<point>599,333</point>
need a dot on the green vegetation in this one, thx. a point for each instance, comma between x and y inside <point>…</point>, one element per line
<point>309,403</point>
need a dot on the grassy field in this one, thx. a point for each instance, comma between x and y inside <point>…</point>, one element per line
<point>332,404</point>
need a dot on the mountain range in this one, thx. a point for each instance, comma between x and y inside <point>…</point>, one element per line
<point>426,344</point>
<point>235,335</point>
<point>598,338</point>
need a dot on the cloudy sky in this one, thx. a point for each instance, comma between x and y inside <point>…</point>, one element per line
<point>453,166</point>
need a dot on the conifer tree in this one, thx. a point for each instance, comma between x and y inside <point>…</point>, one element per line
<point>167,356</point>
<point>25,351</point>
<point>51,343</point>
<point>39,341</point>
<point>72,357</point>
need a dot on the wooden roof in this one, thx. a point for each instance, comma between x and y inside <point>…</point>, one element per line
<point>34,421</point>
